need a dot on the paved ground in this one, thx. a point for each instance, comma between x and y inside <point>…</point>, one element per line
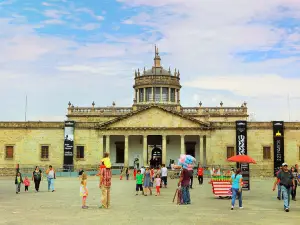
<point>64,206</point>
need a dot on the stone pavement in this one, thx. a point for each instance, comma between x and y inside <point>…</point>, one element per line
<point>64,206</point>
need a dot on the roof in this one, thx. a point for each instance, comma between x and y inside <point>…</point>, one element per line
<point>157,71</point>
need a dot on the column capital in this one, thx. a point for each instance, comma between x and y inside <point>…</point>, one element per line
<point>164,136</point>
<point>182,135</point>
<point>145,136</point>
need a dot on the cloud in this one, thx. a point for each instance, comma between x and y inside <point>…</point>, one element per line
<point>54,21</point>
<point>91,13</point>
<point>88,26</point>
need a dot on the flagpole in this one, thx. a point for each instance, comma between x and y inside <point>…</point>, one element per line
<point>289,107</point>
<point>26,108</point>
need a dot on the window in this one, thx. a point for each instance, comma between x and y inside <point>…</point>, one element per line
<point>149,95</point>
<point>141,96</point>
<point>230,152</point>
<point>80,152</point>
<point>120,146</point>
<point>156,94</point>
<point>267,152</point>
<point>9,152</point>
<point>172,95</point>
<point>165,94</point>
<point>44,152</point>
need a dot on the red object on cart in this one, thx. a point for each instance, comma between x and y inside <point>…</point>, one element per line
<point>221,188</point>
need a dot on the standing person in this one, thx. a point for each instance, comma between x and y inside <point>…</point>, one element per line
<point>147,180</point>
<point>236,186</point>
<point>157,184</point>
<point>105,184</point>
<point>287,183</point>
<point>127,173</point>
<point>296,181</point>
<point>26,183</point>
<point>134,174</point>
<point>18,182</point>
<point>164,175</point>
<point>37,177</point>
<point>50,178</point>
<point>200,174</point>
<point>139,182</point>
<point>191,174</point>
<point>142,170</point>
<point>184,183</point>
<point>84,190</point>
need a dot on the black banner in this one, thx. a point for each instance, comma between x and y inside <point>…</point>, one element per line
<point>241,149</point>
<point>69,144</point>
<point>278,134</point>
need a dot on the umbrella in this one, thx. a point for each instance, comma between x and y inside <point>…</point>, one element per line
<point>241,159</point>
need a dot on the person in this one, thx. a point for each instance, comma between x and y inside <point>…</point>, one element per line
<point>81,171</point>
<point>191,174</point>
<point>127,173</point>
<point>106,160</point>
<point>105,185</point>
<point>200,174</point>
<point>134,173</point>
<point>147,180</point>
<point>142,170</point>
<point>164,175</point>
<point>184,184</point>
<point>84,190</point>
<point>286,182</point>
<point>139,182</point>
<point>295,176</point>
<point>18,182</point>
<point>26,183</point>
<point>278,185</point>
<point>50,178</point>
<point>236,186</point>
<point>36,178</point>
<point>157,184</point>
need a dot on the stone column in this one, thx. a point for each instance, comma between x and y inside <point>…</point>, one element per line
<point>169,100</point>
<point>145,152</point>
<point>138,95</point>
<point>182,147</point>
<point>126,162</point>
<point>200,150</point>
<point>204,151</point>
<point>160,100</point>
<point>164,149</point>
<point>144,96</point>
<point>178,96</point>
<point>101,147</point>
<point>152,95</point>
<point>107,144</point>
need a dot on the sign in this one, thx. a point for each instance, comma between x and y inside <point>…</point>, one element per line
<point>241,149</point>
<point>68,144</point>
<point>278,137</point>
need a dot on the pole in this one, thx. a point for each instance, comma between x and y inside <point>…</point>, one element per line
<point>289,107</point>
<point>26,108</point>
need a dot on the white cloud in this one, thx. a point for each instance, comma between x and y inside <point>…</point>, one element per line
<point>91,13</point>
<point>88,26</point>
<point>54,21</point>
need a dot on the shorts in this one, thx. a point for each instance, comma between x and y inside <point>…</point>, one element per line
<point>84,197</point>
<point>139,187</point>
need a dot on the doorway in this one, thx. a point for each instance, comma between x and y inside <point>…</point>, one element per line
<point>190,148</point>
<point>156,157</point>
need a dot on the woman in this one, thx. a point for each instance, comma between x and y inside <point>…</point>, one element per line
<point>37,176</point>
<point>236,187</point>
<point>296,180</point>
<point>147,180</point>
<point>184,182</point>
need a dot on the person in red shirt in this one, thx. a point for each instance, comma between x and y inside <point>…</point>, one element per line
<point>200,174</point>
<point>134,173</point>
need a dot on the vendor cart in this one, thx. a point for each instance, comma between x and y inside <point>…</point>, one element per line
<point>221,186</point>
<point>174,174</point>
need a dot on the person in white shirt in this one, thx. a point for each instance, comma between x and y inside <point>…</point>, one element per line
<point>164,175</point>
<point>142,170</point>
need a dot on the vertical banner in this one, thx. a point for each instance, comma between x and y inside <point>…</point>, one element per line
<point>241,149</point>
<point>69,144</point>
<point>278,137</point>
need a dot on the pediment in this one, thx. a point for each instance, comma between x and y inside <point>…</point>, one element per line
<point>154,117</point>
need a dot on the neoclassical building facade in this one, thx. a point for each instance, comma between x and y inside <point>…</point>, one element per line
<point>156,126</point>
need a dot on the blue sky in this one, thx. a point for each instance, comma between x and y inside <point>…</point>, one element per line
<point>58,51</point>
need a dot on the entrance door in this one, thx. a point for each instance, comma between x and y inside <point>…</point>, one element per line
<point>156,157</point>
<point>190,148</point>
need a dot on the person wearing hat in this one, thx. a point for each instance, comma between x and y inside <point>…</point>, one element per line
<point>287,183</point>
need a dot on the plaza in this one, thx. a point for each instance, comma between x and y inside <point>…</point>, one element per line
<point>63,207</point>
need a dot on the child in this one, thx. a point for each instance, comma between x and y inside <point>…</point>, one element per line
<point>139,182</point>
<point>83,190</point>
<point>134,174</point>
<point>26,183</point>
<point>157,183</point>
<point>18,182</point>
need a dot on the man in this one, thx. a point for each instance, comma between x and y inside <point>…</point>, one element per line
<point>164,175</point>
<point>50,178</point>
<point>142,170</point>
<point>191,174</point>
<point>200,174</point>
<point>105,184</point>
<point>287,183</point>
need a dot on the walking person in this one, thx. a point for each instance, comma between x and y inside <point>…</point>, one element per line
<point>157,185</point>
<point>37,177</point>
<point>184,184</point>
<point>287,183</point>
<point>236,186</point>
<point>127,173</point>
<point>50,178</point>
<point>296,181</point>
<point>18,182</point>
<point>105,184</point>
<point>26,183</point>
<point>139,182</point>
<point>200,174</point>
<point>84,190</point>
<point>191,174</point>
<point>164,175</point>
<point>147,180</point>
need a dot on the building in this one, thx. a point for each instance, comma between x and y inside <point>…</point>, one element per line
<point>155,127</point>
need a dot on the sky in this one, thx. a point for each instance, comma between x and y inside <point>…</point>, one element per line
<point>232,51</point>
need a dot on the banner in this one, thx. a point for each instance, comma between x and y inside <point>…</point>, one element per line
<point>241,149</point>
<point>278,134</point>
<point>69,144</point>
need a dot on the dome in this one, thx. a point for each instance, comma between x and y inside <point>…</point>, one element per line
<point>157,71</point>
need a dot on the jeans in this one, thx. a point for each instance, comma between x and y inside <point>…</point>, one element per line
<point>294,191</point>
<point>185,191</point>
<point>279,191</point>
<point>236,192</point>
<point>50,184</point>
<point>286,192</point>
<point>18,187</point>
<point>200,179</point>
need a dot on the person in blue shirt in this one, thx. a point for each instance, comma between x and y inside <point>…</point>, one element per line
<point>236,186</point>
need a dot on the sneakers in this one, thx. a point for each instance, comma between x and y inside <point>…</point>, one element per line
<point>287,209</point>
<point>278,198</point>
<point>241,207</point>
<point>232,207</point>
